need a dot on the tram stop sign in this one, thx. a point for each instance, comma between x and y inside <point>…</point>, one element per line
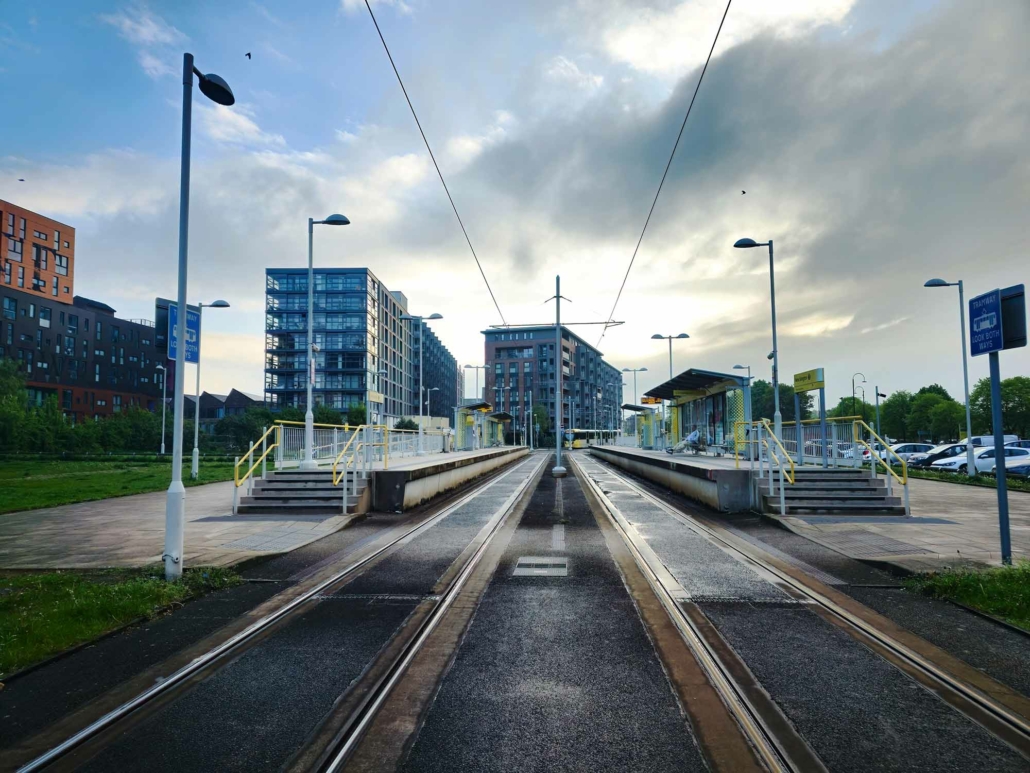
<point>997,320</point>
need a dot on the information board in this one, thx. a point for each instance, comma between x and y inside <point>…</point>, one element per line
<point>192,333</point>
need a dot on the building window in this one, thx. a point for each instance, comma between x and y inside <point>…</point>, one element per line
<point>10,308</point>
<point>7,272</point>
<point>57,240</point>
<point>73,323</point>
<point>40,235</point>
<point>32,311</point>
<point>117,406</point>
<point>21,228</point>
<point>14,249</point>
<point>54,292</point>
<point>44,316</point>
<point>96,372</point>
<point>61,264</point>
<point>21,276</point>
<point>67,246</point>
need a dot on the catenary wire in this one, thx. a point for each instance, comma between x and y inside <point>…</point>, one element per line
<point>436,165</point>
<point>666,172</point>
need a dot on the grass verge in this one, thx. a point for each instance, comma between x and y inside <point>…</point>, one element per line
<point>961,479</point>
<point>28,485</point>
<point>47,613</point>
<point>1003,592</point>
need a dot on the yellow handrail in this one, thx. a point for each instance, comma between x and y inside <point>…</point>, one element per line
<point>343,451</point>
<point>903,480</point>
<point>768,429</point>
<point>274,429</point>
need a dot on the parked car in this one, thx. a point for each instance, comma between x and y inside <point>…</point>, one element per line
<point>980,441</point>
<point>1019,444</point>
<point>1016,467</point>
<point>907,450</point>
<point>943,451</point>
<point>983,459</point>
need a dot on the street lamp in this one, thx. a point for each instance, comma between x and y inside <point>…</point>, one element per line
<point>634,371</point>
<point>164,402</point>
<point>218,91</point>
<point>476,368</point>
<point>777,416</point>
<point>853,413</point>
<point>309,462</point>
<point>970,467</point>
<point>195,467</point>
<point>421,346</point>
<point>659,337</point>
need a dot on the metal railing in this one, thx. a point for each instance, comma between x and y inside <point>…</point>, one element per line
<point>860,431</point>
<point>269,440</point>
<point>328,440</point>
<point>805,442</point>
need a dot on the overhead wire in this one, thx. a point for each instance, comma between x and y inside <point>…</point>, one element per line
<point>436,165</point>
<point>665,174</point>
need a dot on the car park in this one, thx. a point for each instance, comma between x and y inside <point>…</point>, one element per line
<point>1018,444</point>
<point>943,451</point>
<point>1016,467</point>
<point>983,459</point>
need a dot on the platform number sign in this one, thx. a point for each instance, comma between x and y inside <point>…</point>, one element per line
<point>985,330</point>
<point>192,333</point>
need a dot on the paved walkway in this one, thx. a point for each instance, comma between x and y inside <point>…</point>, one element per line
<point>129,531</point>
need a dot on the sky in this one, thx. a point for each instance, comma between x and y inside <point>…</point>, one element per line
<point>881,143</point>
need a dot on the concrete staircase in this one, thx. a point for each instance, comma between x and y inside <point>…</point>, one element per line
<point>831,492</point>
<point>303,492</point>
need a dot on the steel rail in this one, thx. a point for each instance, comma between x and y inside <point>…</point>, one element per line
<point>354,728</point>
<point>1008,719</point>
<point>212,656</point>
<point>767,746</point>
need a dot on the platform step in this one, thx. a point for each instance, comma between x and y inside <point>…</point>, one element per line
<point>843,485</point>
<point>263,508</point>
<point>839,508</point>
<point>299,488</point>
<point>850,496</point>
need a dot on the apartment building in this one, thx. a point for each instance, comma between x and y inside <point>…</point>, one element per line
<point>37,254</point>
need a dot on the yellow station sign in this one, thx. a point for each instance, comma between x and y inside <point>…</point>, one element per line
<point>650,401</point>
<point>375,397</point>
<point>809,380</point>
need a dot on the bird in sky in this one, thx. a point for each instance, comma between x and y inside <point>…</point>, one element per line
<point>248,54</point>
<point>21,179</point>
<point>742,193</point>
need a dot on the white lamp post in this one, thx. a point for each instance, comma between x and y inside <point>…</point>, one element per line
<point>308,462</point>
<point>477,368</point>
<point>777,416</point>
<point>970,467</point>
<point>164,402</point>
<point>421,346</point>
<point>195,467</point>
<point>217,90</point>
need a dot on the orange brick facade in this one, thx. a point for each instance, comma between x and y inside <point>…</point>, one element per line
<point>37,254</point>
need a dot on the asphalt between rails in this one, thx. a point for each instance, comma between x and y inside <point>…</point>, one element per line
<point>857,711</point>
<point>556,673</point>
<point>256,711</point>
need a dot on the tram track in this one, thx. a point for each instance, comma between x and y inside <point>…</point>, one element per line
<point>995,707</point>
<point>84,743</point>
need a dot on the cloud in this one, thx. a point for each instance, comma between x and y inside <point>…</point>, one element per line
<point>562,69</point>
<point>235,124</point>
<point>152,37</point>
<point>463,148</point>
<point>885,325</point>
<point>354,6</point>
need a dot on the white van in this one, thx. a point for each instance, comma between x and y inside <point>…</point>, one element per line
<point>979,441</point>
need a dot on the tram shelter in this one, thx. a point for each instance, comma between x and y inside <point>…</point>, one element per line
<point>477,425</point>
<point>644,423</point>
<point>707,401</point>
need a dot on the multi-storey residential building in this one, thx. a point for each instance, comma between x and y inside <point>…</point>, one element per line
<point>520,368</point>
<point>441,372</point>
<point>367,353</point>
<point>37,254</point>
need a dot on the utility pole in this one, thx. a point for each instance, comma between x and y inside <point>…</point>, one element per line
<point>558,471</point>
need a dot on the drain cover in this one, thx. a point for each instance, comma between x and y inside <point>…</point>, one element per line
<point>541,566</point>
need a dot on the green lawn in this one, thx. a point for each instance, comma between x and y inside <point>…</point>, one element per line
<point>961,479</point>
<point>1003,592</point>
<point>43,614</point>
<point>27,485</point>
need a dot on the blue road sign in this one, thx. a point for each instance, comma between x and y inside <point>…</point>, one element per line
<point>985,334</point>
<point>192,333</point>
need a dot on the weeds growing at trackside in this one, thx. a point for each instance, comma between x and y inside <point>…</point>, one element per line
<point>1003,591</point>
<point>46,613</point>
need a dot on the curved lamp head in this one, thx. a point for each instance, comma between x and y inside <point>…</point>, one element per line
<point>435,316</point>
<point>382,373</point>
<point>743,243</point>
<point>740,367</point>
<point>683,335</point>
<point>216,89</point>
<point>936,283</point>
<point>770,355</point>
<point>336,220</point>
<point>219,305</point>
<point>160,367</point>
<point>658,336</point>
<point>627,370</point>
<point>642,369</point>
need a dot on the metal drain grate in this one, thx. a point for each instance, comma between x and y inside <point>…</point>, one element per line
<point>541,566</point>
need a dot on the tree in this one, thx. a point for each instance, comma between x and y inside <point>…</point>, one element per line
<point>947,420</point>
<point>357,415</point>
<point>935,389</point>
<point>894,415</point>
<point>920,421</point>
<point>846,407</point>
<point>13,404</point>
<point>762,399</point>
<point>405,424</point>
<point>326,415</point>
<point>1015,406</point>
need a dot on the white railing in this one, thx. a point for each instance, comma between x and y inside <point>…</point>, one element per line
<point>328,442</point>
<point>841,450</point>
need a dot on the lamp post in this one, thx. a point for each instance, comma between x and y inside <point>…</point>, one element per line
<point>634,371</point>
<point>164,402</point>
<point>421,346</point>
<point>879,394</point>
<point>659,337</point>
<point>195,466</point>
<point>777,416</point>
<point>970,467</point>
<point>853,407</point>
<point>380,375</point>
<point>217,90</point>
<point>308,463</point>
<point>476,368</point>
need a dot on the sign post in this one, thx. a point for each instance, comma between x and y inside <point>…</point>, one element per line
<point>809,381</point>
<point>997,320</point>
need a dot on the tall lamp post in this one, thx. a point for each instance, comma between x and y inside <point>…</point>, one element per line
<point>777,416</point>
<point>970,467</point>
<point>195,466</point>
<point>476,368</point>
<point>659,337</point>
<point>164,402</point>
<point>421,346</point>
<point>853,406</point>
<point>309,462</point>
<point>634,371</point>
<point>218,91</point>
